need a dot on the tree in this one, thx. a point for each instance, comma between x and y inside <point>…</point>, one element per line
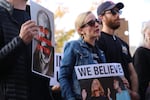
<point>61,35</point>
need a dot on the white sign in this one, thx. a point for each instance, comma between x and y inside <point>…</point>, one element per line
<point>43,43</point>
<point>99,70</point>
<point>57,63</point>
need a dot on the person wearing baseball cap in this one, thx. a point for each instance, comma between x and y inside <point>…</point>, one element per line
<point>108,5</point>
<point>116,50</point>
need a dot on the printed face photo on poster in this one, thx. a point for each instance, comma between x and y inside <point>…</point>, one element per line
<point>44,52</point>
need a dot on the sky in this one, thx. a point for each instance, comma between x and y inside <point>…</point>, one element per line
<point>135,11</point>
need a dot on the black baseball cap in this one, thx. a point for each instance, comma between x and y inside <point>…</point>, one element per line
<point>107,6</point>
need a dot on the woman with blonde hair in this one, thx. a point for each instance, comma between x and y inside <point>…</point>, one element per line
<point>97,91</point>
<point>80,52</point>
<point>97,88</point>
<point>142,60</point>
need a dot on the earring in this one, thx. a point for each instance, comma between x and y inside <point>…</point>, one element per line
<point>82,36</point>
<point>82,33</point>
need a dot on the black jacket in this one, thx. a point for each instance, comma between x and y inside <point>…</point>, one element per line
<point>17,82</point>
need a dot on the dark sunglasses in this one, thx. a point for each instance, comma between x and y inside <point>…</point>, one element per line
<point>91,23</point>
<point>113,12</point>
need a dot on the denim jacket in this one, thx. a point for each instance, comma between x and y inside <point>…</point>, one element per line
<point>75,53</point>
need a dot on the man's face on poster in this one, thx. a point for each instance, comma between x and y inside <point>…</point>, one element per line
<point>44,33</point>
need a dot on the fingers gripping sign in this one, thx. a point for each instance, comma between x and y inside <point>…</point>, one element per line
<point>28,30</point>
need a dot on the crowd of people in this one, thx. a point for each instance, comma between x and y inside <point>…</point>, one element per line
<point>95,46</point>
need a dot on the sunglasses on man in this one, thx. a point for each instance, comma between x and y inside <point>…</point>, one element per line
<point>113,12</point>
<point>91,23</point>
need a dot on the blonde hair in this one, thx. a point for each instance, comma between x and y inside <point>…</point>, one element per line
<point>145,26</point>
<point>80,20</point>
<point>101,90</point>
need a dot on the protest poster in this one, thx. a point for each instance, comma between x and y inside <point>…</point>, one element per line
<point>102,82</point>
<point>57,64</point>
<point>43,43</point>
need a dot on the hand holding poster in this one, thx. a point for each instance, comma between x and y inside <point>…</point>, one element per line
<point>102,82</point>
<point>43,43</point>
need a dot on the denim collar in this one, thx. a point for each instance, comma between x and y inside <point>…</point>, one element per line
<point>84,44</point>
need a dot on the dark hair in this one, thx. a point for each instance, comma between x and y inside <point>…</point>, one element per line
<point>28,9</point>
<point>119,79</point>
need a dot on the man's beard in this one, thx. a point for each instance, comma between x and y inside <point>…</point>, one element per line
<point>113,25</point>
